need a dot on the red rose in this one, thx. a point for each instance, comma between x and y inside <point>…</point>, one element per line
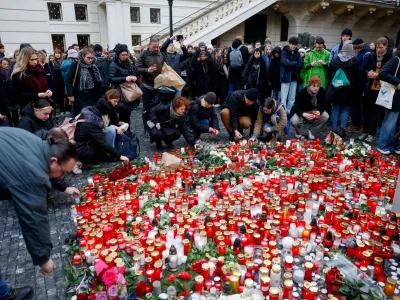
<point>183,294</point>
<point>171,278</point>
<point>82,296</point>
<point>140,288</point>
<point>332,288</point>
<point>185,276</point>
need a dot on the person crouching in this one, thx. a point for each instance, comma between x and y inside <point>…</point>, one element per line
<point>202,117</point>
<point>169,122</point>
<point>271,121</point>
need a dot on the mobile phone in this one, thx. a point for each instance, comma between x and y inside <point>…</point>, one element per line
<point>179,37</point>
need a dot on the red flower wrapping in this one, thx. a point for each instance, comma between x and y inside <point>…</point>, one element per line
<point>185,276</point>
<point>171,278</point>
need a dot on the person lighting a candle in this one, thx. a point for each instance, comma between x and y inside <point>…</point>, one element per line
<point>271,120</point>
<point>240,112</point>
<point>26,181</point>
<point>309,105</point>
<point>202,117</point>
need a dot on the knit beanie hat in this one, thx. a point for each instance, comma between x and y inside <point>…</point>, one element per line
<point>347,31</point>
<point>24,45</point>
<point>358,43</point>
<point>302,50</point>
<point>72,53</point>
<point>210,97</point>
<point>252,95</point>
<point>119,48</point>
<point>347,46</point>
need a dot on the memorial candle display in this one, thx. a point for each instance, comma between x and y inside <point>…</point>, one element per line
<point>276,220</point>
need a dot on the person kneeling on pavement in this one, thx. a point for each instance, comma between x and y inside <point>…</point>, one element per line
<point>309,106</point>
<point>240,112</point>
<point>202,117</point>
<point>168,122</point>
<point>36,117</point>
<point>271,120</point>
<point>90,135</point>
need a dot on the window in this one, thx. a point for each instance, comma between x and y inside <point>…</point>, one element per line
<point>135,14</point>
<point>58,41</point>
<point>155,15</point>
<point>81,12</point>
<point>136,40</point>
<point>284,28</point>
<point>83,40</point>
<point>54,11</point>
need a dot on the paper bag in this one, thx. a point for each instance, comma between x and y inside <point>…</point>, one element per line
<point>170,162</point>
<point>169,77</point>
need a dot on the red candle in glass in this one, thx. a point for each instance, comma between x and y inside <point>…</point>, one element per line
<point>108,232</point>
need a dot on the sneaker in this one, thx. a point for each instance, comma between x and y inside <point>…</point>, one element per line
<point>354,128</point>
<point>310,135</point>
<point>23,293</point>
<point>384,152</point>
<point>77,169</point>
<point>298,136</point>
<point>362,137</point>
<point>369,139</point>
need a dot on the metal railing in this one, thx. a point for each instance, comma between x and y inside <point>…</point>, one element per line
<point>165,31</point>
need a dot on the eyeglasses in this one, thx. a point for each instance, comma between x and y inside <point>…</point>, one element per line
<point>89,58</point>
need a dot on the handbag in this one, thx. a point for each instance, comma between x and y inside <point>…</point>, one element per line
<point>386,93</point>
<point>130,91</point>
<point>69,126</point>
<point>340,80</point>
<point>128,145</point>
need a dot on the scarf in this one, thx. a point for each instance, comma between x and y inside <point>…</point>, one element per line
<point>123,64</point>
<point>379,58</point>
<point>34,78</point>
<point>314,99</point>
<point>86,79</point>
<point>345,56</point>
<point>173,114</point>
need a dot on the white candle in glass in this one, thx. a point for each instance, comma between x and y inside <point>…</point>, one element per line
<point>298,276</point>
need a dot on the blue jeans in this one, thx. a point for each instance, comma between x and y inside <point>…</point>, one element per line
<point>276,95</point>
<point>178,94</point>
<point>288,94</point>
<point>4,287</point>
<point>110,134</point>
<point>387,141</point>
<point>344,111</point>
<point>204,122</point>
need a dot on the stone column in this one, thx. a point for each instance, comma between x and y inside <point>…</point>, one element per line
<point>126,22</point>
<point>112,25</point>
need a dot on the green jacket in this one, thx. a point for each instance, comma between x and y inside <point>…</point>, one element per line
<point>318,70</point>
<point>24,179</point>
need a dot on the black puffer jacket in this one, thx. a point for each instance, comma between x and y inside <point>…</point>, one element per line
<point>161,114</point>
<point>31,123</point>
<point>238,108</point>
<point>275,70</point>
<point>90,139</point>
<point>198,112</point>
<point>117,75</point>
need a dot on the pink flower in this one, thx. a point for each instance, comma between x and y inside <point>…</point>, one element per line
<point>112,291</point>
<point>121,279</point>
<point>101,295</point>
<point>109,277</point>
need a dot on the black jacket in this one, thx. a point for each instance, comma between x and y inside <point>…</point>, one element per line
<point>161,114</point>
<point>197,113</point>
<point>58,81</point>
<point>205,77</point>
<point>387,74</point>
<point>82,98</point>
<point>291,65</point>
<point>238,108</point>
<point>235,75</point>
<point>117,75</point>
<point>103,64</point>
<point>371,63</point>
<point>89,136</point>
<point>174,59</point>
<point>275,70</point>
<point>5,93</point>
<point>255,74</point>
<point>25,181</point>
<point>146,60</point>
<point>303,103</point>
<point>342,95</point>
<point>32,124</point>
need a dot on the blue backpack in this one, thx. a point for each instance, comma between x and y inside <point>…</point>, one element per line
<point>128,145</point>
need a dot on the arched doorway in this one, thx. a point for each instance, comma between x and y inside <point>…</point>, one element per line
<point>284,29</point>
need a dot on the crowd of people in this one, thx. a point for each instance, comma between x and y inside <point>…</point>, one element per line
<point>260,87</point>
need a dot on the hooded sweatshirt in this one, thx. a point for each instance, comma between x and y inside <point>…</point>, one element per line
<point>31,123</point>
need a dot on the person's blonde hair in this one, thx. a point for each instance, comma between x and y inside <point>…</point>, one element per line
<point>23,60</point>
<point>106,120</point>
<point>42,54</point>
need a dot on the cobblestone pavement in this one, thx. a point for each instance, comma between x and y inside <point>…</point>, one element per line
<point>15,262</point>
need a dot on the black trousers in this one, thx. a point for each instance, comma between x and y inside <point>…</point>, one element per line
<point>159,135</point>
<point>359,93</point>
<point>372,113</point>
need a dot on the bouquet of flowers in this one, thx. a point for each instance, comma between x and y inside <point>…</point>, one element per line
<point>110,284</point>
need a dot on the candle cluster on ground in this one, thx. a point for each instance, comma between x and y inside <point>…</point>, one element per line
<point>248,220</point>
